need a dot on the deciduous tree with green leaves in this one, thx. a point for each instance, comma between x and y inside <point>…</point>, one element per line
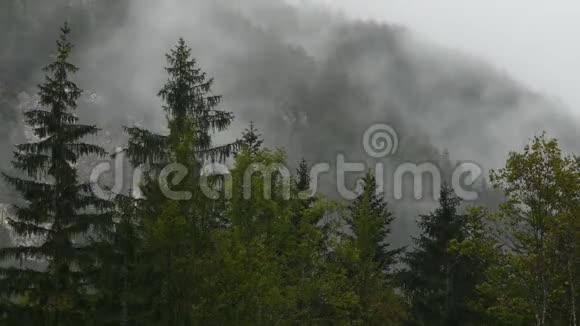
<point>529,248</point>
<point>537,229</point>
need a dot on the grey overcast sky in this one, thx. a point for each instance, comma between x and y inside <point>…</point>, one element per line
<point>536,41</point>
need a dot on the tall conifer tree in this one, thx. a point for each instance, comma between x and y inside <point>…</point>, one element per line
<point>59,211</point>
<point>438,282</point>
<point>178,230</point>
<point>118,301</point>
<point>370,221</point>
<point>192,118</point>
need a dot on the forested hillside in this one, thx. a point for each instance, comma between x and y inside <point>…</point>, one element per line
<point>300,87</point>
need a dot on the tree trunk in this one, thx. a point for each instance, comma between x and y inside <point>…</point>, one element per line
<point>544,302</point>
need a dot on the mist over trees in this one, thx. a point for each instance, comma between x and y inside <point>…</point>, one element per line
<point>284,68</point>
<point>293,97</point>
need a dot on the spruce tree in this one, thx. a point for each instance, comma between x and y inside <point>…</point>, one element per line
<point>59,212</point>
<point>177,234</point>
<point>252,140</point>
<point>370,222</point>
<point>437,282</point>
<point>192,117</point>
<point>118,301</point>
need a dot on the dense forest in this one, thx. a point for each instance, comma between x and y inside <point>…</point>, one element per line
<point>272,258</point>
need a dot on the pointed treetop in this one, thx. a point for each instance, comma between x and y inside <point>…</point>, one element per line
<point>59,208</point>
<point>252,140</point>
<point>64,46</point>
<point>58,91</point>
<point>371,222</point>
<point>65,29</point>
<point>445,222</point>
<point>447,197</point>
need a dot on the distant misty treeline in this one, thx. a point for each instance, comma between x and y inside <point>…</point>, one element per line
<point>263,260</point>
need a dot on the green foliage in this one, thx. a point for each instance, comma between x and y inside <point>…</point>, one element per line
<point>116,301</point>
<point>263,250</point>
<point>251,139</point>
<point>439,282</point>
<point>529,248</point>
<point>536,275</point>
<point>177,232</point>
<point>276,258</point>
<point>59,211</point>
<point>370,223</point>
